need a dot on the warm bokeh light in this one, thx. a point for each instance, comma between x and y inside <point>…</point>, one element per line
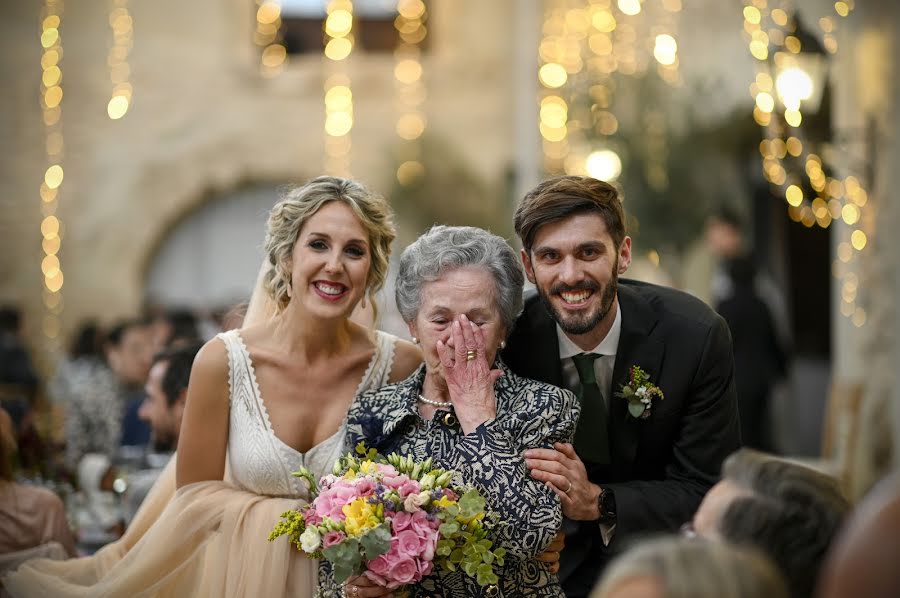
<point>408,71</point>
<point>339,23</point>
<point>604,165</point>
<point>630,7</point>
<point>409,172</point>
<point>117,107</point>
<point>794,195</point>
<point>53,96</point>
<point>604,21</point>
<point>338,123</point>
<point>53,177</point>
<point>850,214</point>
<point>553,133</point>
<point>338,48</point>
<point>793,86</point>
<point>665,50</point>
<point>553,75</point>
<point>765,101</point>
<point>793,117</point>
<point>411,9</point>
<point>858,239</point>
<point>274,56</point>
<point>410,126</point>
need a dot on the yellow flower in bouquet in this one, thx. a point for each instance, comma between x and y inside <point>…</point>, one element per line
<point>361,516</point>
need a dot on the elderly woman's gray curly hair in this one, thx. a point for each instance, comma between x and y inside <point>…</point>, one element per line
<point>445,248</point>
<point>299,204</point>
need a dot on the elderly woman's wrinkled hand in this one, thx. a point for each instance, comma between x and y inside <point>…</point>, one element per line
<point>469,377</point>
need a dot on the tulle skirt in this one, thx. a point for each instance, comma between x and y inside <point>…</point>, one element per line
<point>205,539</point>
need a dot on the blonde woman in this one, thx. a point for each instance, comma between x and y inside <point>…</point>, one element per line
<point>690,568</point>
<point>262,402</point>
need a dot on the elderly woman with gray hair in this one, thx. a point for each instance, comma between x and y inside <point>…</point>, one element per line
<point>459,289</point>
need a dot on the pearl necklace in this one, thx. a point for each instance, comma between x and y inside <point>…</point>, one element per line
<point>438,404</point>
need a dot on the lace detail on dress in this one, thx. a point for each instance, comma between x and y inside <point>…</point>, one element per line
<point>259,461</point>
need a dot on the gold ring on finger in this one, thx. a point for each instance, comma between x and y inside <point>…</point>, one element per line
<point>471,354</point>
<point>569,488</point>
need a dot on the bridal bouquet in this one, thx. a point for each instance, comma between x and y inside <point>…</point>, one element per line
<point>393,520</point>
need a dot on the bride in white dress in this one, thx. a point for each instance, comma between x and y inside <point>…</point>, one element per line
<point>262,402</point>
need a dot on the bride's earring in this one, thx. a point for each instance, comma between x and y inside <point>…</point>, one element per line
<point>502,344</point>
<point>415,341</point>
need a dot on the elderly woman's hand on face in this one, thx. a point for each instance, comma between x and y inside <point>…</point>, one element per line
<point>469,377</point>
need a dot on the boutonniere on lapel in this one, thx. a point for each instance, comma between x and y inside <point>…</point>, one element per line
<point>639,393</point>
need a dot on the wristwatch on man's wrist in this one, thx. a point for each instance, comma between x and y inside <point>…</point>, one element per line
<point>606,504</point>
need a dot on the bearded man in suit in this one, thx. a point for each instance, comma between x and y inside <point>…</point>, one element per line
<point>638,466</point>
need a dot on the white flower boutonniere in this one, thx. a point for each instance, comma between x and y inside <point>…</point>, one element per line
<point>639,393</point>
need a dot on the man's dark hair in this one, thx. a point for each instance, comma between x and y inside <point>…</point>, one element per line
<point>180,358</point>
<point>10,319</point>
<point>118,330</point>
<point>561,197</point>
<point>791,514</point>
<point>88,341</point>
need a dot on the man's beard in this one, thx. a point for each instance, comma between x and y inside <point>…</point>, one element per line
<point>582,323</point>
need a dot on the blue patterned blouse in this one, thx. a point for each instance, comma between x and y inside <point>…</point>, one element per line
<point>530,414</point>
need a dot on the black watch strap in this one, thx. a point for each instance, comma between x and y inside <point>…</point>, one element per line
<point>606,503</point>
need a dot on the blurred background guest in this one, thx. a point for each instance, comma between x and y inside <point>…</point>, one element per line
<point>690,568</point>
<point>864,559</point>
<point>18,377</point>
<point>162,408</point>
<point>32,519</point>
<point>789,512</point>
<point>102,405</point>
<point>760,359</point>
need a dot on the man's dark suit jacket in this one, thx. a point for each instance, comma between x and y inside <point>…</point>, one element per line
<point>662,465</point>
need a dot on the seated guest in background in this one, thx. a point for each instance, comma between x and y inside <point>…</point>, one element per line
<point>163,408</point>
<point>166,391</point>
<point>18,378</point>
<point>864,558</point>
<point>788,511</point>
<point>101,410</point>
<point>30,516</point>
<point>686,568</point>
<point>641,464</point>
<point>459,289</point>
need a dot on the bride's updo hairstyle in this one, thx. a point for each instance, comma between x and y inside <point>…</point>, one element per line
<point>299,204</point>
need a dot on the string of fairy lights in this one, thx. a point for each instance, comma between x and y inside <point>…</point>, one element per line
<point>51,228</point>
<point>411,122</point>
<point>121,23</point>
<point>583,49</point>
<point>338,93</point>
<point>771,31</point>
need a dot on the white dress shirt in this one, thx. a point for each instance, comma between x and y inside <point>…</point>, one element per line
<point>603,371</point>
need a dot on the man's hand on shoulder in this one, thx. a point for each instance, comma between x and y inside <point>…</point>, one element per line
<point>565,474</point>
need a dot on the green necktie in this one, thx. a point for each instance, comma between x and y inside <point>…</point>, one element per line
<point>591,435</point>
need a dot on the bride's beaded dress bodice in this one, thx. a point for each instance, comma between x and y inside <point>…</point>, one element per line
<point>258,461</point>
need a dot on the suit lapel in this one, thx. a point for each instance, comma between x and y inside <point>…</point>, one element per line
<point>636,347</point>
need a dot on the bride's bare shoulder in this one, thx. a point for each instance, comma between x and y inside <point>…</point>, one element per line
<point>407,357</point>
